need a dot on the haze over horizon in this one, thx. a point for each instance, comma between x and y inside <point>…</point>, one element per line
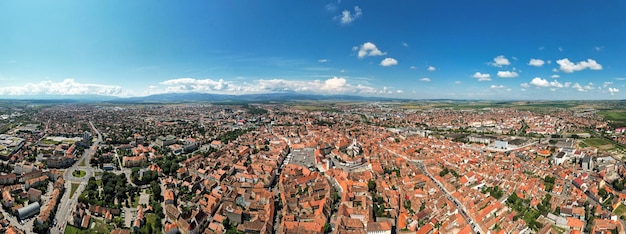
<point>556,50</point>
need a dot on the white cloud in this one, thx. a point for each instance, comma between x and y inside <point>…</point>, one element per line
<point>334,85</point>
<point>613,90</point>
<point>425,79</point>
<point>598,48</point>
<point>412,67</point>
<point>569,67</point>
<point>65,87</point>
<point>399,91</point>
<point>330,7</point>
<point>500,61</point>
<point>555,76</point>
<point>206,85</point>
<point>578,87</point>
<point>606,84</point>
<point>507,74</point>
<point>481,76</point>
<point>581,88</point>
<point>543,83</point>
<point>620,78</point>
<point>536,62</point>
<point>458,82</point>
<point>561,49</point>
<point>405,44</point>
<point>524,85</point>
<point>431,68</point>
<point>388,62</point>
<point>348,17</point>
<point>368,49</point>
<point>541,48</point>
<point>322,60</point>
<point>497,86</point>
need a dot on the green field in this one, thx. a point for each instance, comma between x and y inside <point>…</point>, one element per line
<point>598,143</point>
<point>617,118</point>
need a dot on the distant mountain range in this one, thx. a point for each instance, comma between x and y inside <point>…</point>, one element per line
<point>197,97</point>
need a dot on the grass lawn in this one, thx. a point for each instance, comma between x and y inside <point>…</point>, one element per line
<point>79,173</point>
<point>69,229</point>
<point>135,202</point>
<point>100,227</point>
<point>50,142</point>
<point>152,219</point>
<point>599,143</point>
<point>73,189</point>
<point>620,210</point>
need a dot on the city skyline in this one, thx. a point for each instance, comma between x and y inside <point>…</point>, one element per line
<point>418,50</point>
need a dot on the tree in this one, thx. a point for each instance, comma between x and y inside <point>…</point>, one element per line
<point>327,228</point>
<point>371,186</point>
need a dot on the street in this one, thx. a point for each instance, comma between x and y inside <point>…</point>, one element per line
<point>459,205</point>
<point>67,204</point>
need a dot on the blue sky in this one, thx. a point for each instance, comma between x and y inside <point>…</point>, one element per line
<point>497,50</point>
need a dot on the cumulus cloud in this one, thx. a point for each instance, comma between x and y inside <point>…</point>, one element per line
<point>194,85</point>
<point>334,85</point>
<point>507,74</point>
<point>348,17</point>
<point>567,66</point>
<point>425,79</point>
<point>536,62</point>
<point>555,76</point>
<point>431,68</point>
<point>543,83</point>
<point>65,87</point>
<point>607,83</point>
<point>368,49</point>
<point>388,62</point>
<point>481,76</point>
<point>500,61</point>
<point>578,87</point>
<point>585,88</point>
<point>497,86</point>
<point>612,91</point>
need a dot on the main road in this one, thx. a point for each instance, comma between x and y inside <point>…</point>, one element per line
<point>475,227</point>
<point>67,203</point>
